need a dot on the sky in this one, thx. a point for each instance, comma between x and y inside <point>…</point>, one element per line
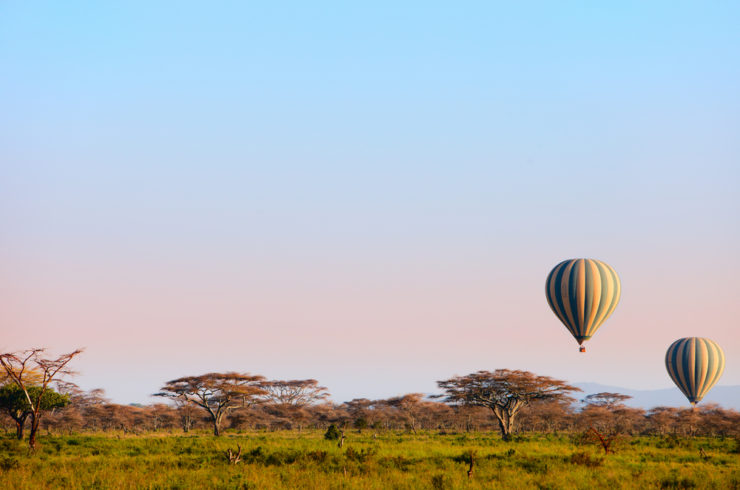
<point>368,194</point>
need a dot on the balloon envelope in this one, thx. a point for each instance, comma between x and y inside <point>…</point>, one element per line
<point>695,364</point>
<point>583,293</point>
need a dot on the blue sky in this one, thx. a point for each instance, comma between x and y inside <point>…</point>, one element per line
<point>159,158</point>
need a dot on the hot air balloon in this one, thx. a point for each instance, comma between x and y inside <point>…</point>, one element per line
<point>582,293</point>
<point>695,364</point>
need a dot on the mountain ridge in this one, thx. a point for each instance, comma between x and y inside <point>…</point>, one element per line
<point>725,396</point>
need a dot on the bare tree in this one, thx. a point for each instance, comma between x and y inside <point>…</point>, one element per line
<point>216,393</point>
<point>605,440</point>
<point>504,391</point>
<point>234,457</point>
<point>18,367</point>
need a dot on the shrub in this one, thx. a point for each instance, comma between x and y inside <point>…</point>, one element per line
<point>585,459</point>
<point>671,441</point>
<point>736,449</point>
<point>398,462</point>
<point>440,482</point>
<point>332,433</point>
<point>318,456</point>
<point>534,466</point>
<point>580,438</point>
<point>674,482</point>
<point>8,463</point>
<point>360,423</point>
<point>360,456</point>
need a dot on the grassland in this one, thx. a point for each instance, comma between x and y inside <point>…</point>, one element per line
<point>392,460</point>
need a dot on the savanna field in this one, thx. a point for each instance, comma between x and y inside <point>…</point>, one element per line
<point>305,459</point>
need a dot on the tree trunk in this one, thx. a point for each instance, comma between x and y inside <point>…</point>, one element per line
<point>505,422</point>
<point>35,419</point>
<point>217,424</point>
<point>505,431</point>
<point>19,424</point>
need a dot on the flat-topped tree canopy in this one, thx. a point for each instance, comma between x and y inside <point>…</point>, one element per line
<point>606,399</point>
<point>504,391</point>
<point>216,393</point>
<point>297,392</point>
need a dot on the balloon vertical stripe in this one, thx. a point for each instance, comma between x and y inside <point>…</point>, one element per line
<point>695,364</point>
<point>582,293</point>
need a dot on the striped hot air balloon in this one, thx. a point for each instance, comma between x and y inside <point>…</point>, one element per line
<point>582,293</point>
<point>695,364</point>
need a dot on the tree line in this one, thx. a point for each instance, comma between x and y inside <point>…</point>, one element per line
<point>511,402</point>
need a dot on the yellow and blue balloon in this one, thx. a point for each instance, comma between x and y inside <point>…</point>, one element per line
<point>695,364</point>
<point>583,293</point>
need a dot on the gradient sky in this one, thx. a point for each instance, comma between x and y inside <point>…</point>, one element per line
<point>371,196</point>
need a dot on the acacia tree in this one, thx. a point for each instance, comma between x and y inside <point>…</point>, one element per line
<point>216,393</point>
<point>503,391</point>
<point>408,407</point>
<point>607,413</point>
<point>607,400</point>
<point>30,366</point>
<point>361,411</point>
<point>298,392</point>
<point>291,397</point>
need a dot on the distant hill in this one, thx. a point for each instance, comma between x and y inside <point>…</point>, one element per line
<point>726,396</point>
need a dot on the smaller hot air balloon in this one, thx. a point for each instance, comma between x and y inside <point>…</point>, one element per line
<point>695,364</point>
<point>582,293</point>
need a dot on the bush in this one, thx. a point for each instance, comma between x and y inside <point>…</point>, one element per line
<point>674,482</point>
<point>360,456</point>
<point>671,441</point>
<point>585,459</point>
<point>360,423</point>
<point>440,482</point>
<point>8,463</point>
<point>580,438</point>
<point>318,456</point>
<point>534,466</point>
<point>332,433</point>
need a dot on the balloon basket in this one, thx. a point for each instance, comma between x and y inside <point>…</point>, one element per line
<point>581,349</point>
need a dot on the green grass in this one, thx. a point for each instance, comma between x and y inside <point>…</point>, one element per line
<point>393,460</point>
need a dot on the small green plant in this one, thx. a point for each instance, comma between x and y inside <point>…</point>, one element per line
<point>332,433</point>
